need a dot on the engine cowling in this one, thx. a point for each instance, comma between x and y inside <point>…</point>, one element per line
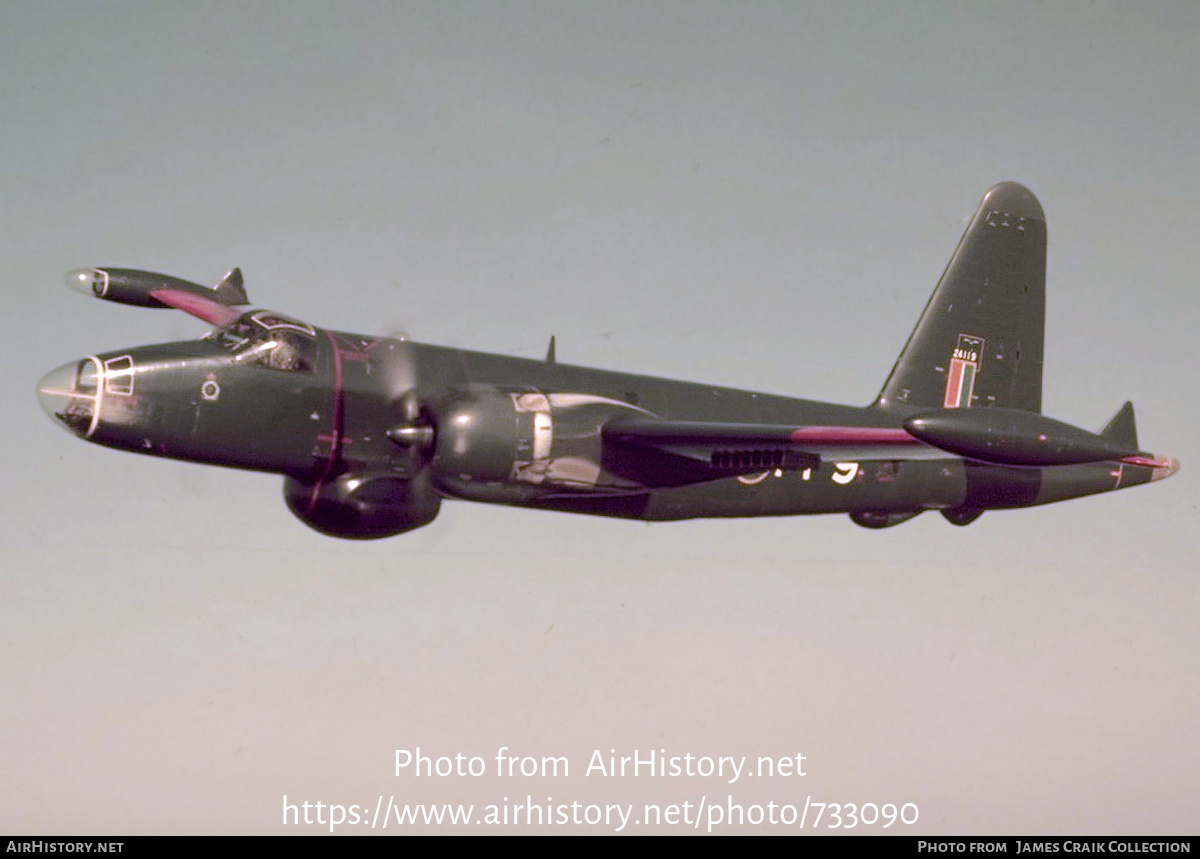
<point>357,508</point>
<point>500,444</point>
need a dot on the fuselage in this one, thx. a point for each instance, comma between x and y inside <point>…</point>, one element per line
<point>508,430</point>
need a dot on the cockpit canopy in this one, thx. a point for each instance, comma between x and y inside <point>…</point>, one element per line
<point>265,338</point>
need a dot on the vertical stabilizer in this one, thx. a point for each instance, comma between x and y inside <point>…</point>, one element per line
<point>979,341</point>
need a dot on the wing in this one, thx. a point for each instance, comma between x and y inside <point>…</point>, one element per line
<point>661,453</point>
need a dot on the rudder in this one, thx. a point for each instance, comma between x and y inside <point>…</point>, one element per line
<point>979,341</point>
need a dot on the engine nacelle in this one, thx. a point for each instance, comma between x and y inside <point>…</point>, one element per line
<point>498,440</point>
<point>357,508</point>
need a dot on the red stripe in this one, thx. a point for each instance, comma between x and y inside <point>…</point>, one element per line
<point>954,385</point>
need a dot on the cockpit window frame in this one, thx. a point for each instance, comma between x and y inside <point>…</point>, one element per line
<point>256,338</point>
<point>272,321</point>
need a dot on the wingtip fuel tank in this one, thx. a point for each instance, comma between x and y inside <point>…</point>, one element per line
<point>1012,437</point>
<point>145,288</point>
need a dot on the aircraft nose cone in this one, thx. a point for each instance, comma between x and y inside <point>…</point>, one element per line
<point>70,395</point>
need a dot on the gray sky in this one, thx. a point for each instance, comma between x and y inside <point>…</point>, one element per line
<point>752,194</point>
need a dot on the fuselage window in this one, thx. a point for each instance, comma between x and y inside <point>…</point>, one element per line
<point>118,375</point>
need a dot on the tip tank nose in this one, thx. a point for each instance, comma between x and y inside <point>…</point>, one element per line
<point>89,281</point>
<point>1170,466</point>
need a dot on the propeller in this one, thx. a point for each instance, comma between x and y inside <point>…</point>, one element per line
<point>413,431</point>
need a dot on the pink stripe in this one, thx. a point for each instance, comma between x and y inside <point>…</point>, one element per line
<point>335,431</point>
<point>1145,461</point>
<point>852,435</point>
<point>210,311</point>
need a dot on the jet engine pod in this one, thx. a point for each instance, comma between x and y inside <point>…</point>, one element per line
<point>1012,437</point>
<point>357,508</point>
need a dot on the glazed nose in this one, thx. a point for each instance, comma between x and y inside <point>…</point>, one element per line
<point>71,395</point>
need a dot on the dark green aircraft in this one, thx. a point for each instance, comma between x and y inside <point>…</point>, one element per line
<point>372,433</point>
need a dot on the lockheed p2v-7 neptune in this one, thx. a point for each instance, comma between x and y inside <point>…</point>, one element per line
<point>371,433</point>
